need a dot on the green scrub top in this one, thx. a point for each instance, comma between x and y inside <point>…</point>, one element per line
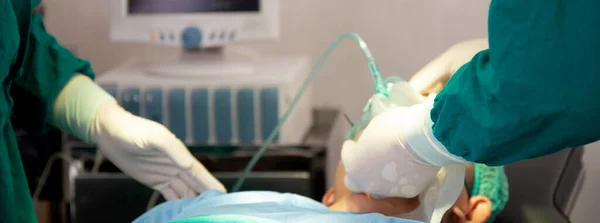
<point>33,70</point>
<point>533,92</point>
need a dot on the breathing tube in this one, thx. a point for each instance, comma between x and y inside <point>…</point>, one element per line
<point>380,88</point>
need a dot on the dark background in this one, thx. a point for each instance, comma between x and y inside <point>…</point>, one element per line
<point>191,6</point>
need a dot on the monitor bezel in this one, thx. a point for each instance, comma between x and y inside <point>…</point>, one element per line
<point>256,26</point>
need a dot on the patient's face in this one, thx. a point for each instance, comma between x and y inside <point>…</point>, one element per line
<point>339,198</point>
<point>466,209</point>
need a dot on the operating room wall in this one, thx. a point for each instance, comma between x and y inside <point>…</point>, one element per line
<point>403,36</point>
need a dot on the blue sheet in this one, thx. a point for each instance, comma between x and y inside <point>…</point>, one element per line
<point>273,206</point>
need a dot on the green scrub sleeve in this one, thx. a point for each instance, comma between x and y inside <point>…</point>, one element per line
<point>534,92</point>
<point>47,68</point>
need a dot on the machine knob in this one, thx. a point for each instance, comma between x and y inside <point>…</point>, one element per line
<point>191,37</point>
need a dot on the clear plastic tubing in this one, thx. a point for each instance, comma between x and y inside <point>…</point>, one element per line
<point>380,88</point>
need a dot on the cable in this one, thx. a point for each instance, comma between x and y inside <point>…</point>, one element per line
<point>46,172</point>
<point>348,120</point>
<point>380,88</point>
<point>97,162</point>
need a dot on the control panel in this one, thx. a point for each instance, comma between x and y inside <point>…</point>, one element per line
<point>193,36</point>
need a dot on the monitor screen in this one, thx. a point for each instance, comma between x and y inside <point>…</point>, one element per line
<point>191,6</point>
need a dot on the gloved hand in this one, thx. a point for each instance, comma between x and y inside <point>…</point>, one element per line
<point>434,76</point>
<point>150,153</point>
<point>141,148</point>
<point>396,154</point>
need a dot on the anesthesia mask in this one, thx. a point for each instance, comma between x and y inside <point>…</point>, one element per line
<point>445,189</point>
<point>427,202</point>
<point>387,94</point>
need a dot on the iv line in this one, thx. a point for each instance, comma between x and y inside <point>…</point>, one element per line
<point>380,88</point>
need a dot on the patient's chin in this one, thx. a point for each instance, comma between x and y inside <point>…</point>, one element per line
<point>348,205</point>
<point>339,206</point>
<point>361,203</point>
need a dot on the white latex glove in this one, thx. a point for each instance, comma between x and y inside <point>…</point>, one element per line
<point>434,76</point>
<point>150,153</point>
<point>396,154</point>
<point>143,149</point>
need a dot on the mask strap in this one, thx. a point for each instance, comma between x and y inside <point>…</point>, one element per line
<point>469,194</point>
<point>450,189</point>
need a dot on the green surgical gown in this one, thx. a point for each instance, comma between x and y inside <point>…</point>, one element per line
<point>33,70</point>
<point>535,91</point>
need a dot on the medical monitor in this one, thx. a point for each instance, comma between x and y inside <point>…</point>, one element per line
<point>194,23</point>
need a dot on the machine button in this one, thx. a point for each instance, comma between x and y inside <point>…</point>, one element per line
<point>112,90</point>
<point>191,37</point>
<point>152,37</point>
<point>245,113</point>
<point>223,113</point>
<point>177,112</point>
<point>154,105</point>
<point>130,100</point>
<point>269,111</point>
<point>200,115</point>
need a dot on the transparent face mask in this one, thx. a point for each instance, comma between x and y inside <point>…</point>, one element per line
<point>425,209</point>
<point>399,94</point>
<point>428,201</point>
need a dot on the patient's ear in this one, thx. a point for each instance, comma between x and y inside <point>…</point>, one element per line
<point>480,209</point>
<point>328,198</point>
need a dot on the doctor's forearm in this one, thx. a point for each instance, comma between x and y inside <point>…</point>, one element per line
<point>530,94</point>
